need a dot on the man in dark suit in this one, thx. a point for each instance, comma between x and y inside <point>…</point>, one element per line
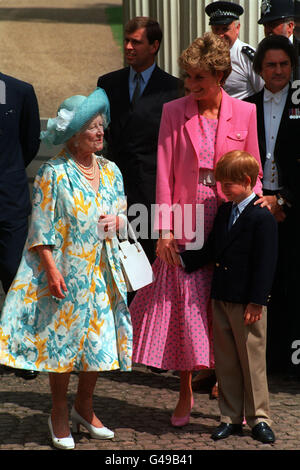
<point>243,247</point>
<point>19,143</point>
<point>278,125</point>
<point>137,94</point>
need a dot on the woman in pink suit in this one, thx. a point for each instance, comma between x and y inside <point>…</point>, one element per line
<point>172,317</point>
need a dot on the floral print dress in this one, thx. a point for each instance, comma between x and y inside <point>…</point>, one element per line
<point>90,329</point>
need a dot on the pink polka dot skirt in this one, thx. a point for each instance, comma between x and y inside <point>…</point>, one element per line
<point>172,317</point>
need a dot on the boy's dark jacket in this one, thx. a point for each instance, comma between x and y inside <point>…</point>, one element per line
<point>244,257</point>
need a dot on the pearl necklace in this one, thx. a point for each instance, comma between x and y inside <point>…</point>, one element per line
<point>88,171</point>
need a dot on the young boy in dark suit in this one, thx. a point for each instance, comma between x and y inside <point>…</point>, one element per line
<point>243,247</point>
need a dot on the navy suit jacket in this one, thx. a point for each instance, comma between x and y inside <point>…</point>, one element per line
<point>244,257</point>
<point>133,134</point>
<point>19,143</point>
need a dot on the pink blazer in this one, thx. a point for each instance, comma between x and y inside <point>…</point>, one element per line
<point>179,146</point>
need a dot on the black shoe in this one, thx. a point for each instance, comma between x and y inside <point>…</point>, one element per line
<point>263,433</point>
<point>225,430</point>
<point>26,374</point>
<point>6,369</point>
<point>156,370</point>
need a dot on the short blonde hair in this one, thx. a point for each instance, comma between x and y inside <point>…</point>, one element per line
<point>210,53</point>
<point>236,166</point>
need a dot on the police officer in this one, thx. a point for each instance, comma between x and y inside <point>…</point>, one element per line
<point>224,21</point>
<point>277,17</point>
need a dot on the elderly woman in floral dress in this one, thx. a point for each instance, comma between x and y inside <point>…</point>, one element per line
<point>67,309</point>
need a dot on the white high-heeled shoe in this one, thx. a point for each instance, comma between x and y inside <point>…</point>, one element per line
<point>64,443</point>
<point>96,433</point>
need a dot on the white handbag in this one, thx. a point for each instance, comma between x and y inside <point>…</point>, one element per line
<point>136,268</point>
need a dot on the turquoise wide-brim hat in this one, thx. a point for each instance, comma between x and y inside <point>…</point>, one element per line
<point>73,114</point>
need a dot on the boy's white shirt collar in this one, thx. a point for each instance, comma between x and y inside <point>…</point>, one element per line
<point>241,205</point>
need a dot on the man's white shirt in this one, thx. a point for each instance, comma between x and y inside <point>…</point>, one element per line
<point>273,108</point>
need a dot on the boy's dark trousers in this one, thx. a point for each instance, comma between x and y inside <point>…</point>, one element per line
<point>240,364</point>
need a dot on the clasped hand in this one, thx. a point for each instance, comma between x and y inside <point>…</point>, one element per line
<point>108,225</point>
<point>167,249</point>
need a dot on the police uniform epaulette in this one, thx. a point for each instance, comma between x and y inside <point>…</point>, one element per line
<point>249,52</point>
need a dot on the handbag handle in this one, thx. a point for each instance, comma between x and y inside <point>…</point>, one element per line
<point>131,232</point>
<point>132,235</point>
